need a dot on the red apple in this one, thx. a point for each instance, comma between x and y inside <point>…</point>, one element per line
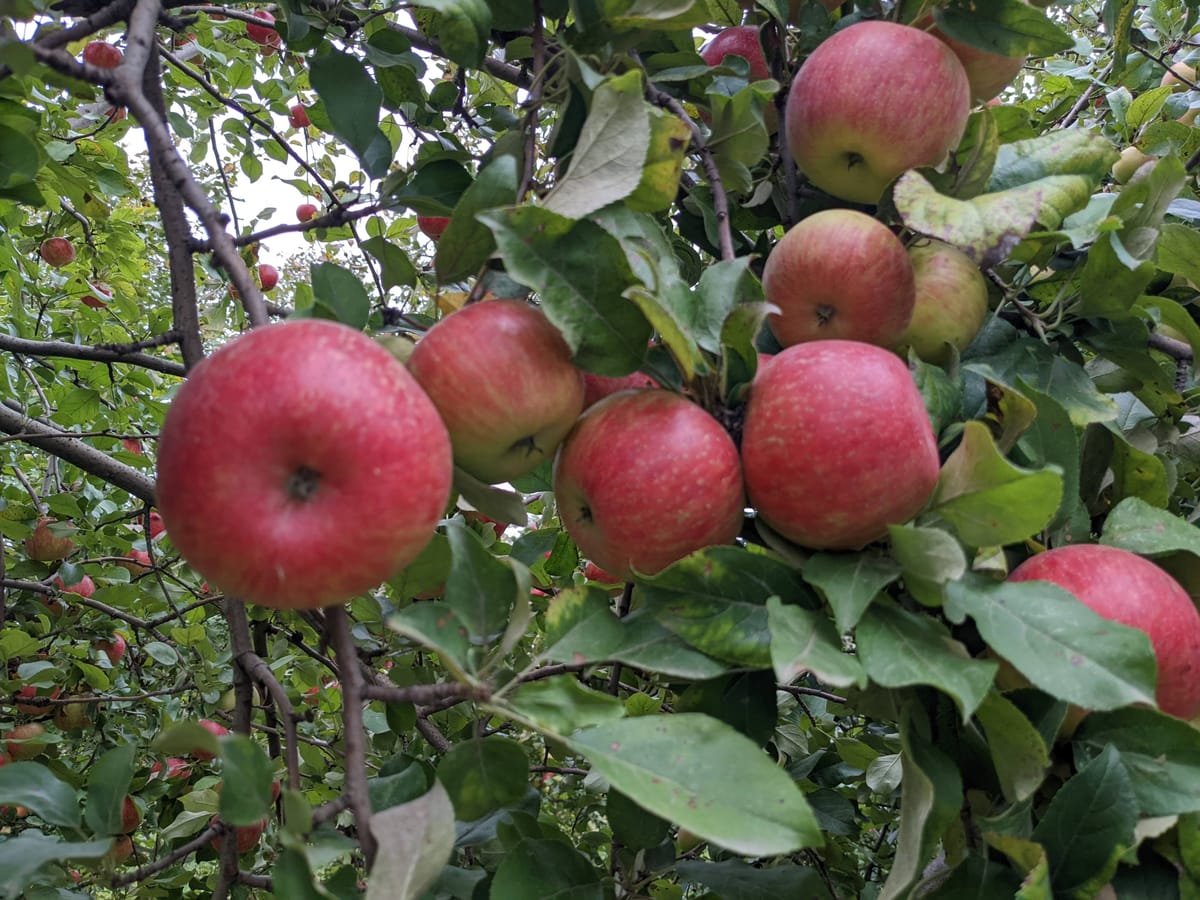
<point>645,478</point>
<point>22,741</point>
<point>114,648</point>
<point>155,524</point>
<point>593,572</point>
<point>130,817</point>
<point>102,55</point>
<point>306,212</point>
<point>952,302</point>
<point>839,274</point>
<point>1123,587</point>
<point>851,135</point>
<point>298,116</point>
<point>247,835</point>
<point>433,226</point>
<point>474,515</point>
<point>268,277</point>
<point>176,769</point>
<point>217,730</point>
<point>597,387</point>
<point>836,444</point>
<point>121,849</point>
<point>267,38</point>
<point>329,441</point>
<point>987,73</point>
<point>116,113</point>
<point>57,252</point>
<point>28,692</point>
<point>132,445</point>
<point>500,375</point>
<point>45,545</point>
<point>74,716</point>
<point>85,587</point>
<point>741,40</point>
<point>95,302</point>
<point>138,562</point>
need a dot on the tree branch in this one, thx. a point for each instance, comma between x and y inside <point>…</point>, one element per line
<point>63,350</point>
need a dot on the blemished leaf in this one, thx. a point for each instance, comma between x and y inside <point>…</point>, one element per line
<point>1138,474</point>
<point>22,856</point>
<point>1043,369</point>
<point>339,291</point>
<point>545,868</point>
<point>1161,753</point>
<point>414,841</point>
<point>481,588</point>
<point>247,773</point>
<point>1004,27</point>
<point>484,774</point>
<point>1018,752</point>
<point>900,648</point>
<point>581,274</point>
<point>715,599</point>
<point>606,164</point>
<point>562,705</point>
<point>849,582</point>
<point>108,785</point>
<point>733,879</point>
<point>467,243</point>
<point>1089,822</point>
<point>659,181</point>
<point>989,500</point>
<point>1071,151</point>
<point>351,99</point>
<point>677,766</point>
<point>1056,642</point>
<point>805,641</point>
<point>1135,525</point>
<point>32,785</point>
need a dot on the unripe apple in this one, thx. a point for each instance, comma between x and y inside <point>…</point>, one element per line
<point>433,226</point>
<point>1126,167</point>
<point>298,116</point>
<point>57,252</point>
<point>102,55</point>
<point>306,212</point>
<point>247,835</point>
<point>952,302</point>
<point>1178,77</point>
<point>73,716</point>
<point>22,741</point>
<point>44,545</point>
<point>268,276</point>
<point>131,818</point>
<point>85,587</point>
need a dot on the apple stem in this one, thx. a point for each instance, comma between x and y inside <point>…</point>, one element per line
<point>303,483</point>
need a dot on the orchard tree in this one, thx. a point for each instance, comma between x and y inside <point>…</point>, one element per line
<point>616,491</point>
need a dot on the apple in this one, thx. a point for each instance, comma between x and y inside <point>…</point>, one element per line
<point>102,54</point>
<point>130,817</point>
<point>121,849</point>
<point>267,38</point>
<point>176,769</point>
<point>474,515</point>
<point>154,524</point>
<point>132,445</point>
<point>741,40</point>
<point>22,741</point>
<point>116,113</point>
<point>306,212</point>
<point>987,73</point>
<point>645,478</point>
<point>28,692</point>
<point>597,387</point>
<point>952,302</point>
<point>216,730</point>
<point>1123,587</point>
<point>593,572</point>
<point>433,226</point>
<point>839,274</point>
<point>45,545</point>
<point>95,302</point>
<point>328,442</point>
<point>138,562</point>
<point>114,649</point>
<point>1179,76</point>
<point>57,252</point>
<point>836,444</point>
<point>851,135</point>
<point>247,835</point>
<point>1127,166</point>
<point>500,375</point>
<point>268,277</point>
<point>85,587</point>
<point>1189,117</point>
<point>298,116</point>
<point>73,716</point>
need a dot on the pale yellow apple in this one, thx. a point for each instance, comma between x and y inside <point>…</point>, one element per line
<point>1131,160</point>
<point>952,302</point>
<point>1184,71</point>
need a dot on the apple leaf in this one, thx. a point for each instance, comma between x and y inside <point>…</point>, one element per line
<point>581,273</point>
<point>1168,312</point>
<point>669,15</point>
<point>849,582</point>
<point>108,785</point>
<point>21,858</point>
<point>427,572</point>
<point>435,189</point>
<point>732,879</point>
<point>646,644</point>
<point>805,641</point>
<point>1135,525</point>
<point>1178,251</point>
<point>481,588</point>
<point>1045,370</point>
<point>545,868</point>
<point>467,243</point>
<point>1070,151</point>
<point>1018,752</point>
<point>463,28</point>
<point>659,182</point>
<point>1137,473</point>
<point>900,648</point>
<point>723,289</point>
<point>34,786</point>
<point>561,705</point>
<point>606,165</point>
<point>1056,642</point>
<point>247,772</point>
<point>395,268</point>
<point>989,500</point>
<point>340,292</point>
<point>436,626</point>
<point>989,226</point>
<point>1052,441</point>
<point>1161,752</point>
<point>1112,279</point>
<point>678,767</point>
<point>292,877</point>
<point>351,99</point>
<point>1089,823</point>
<point>484,774</point>
<point>661,311</point>
<point>414,840</point>
<point>1003,27</point>
<point>739,137</point>
<point>494,502</point>
<point>929,558</point>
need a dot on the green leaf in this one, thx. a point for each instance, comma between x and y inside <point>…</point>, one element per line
<point>1139,527</point>
<point>463,30</point>
<point>467,243</point>
<point>1052,441</point>
<point>1056,642</point>
<point>494,502</point>
<point>22,856</point>
<point>485,774</point>
<point>1138,474</point>
<point>1178,251</point>
<point>20,158</point>
<point>1161,753</point>
<point>1072,151</point>
<point>715,599</point>
<point>427,573</point>
<point>435,625</point>
<point>745,701</point>
<point>1004,27</point>
<point>581,273</point>
<point>108,785</point>
<point>929,558</point>
<point>739,137</point>
<point>723,288</point>
<point>1018,752</point>
<point>1042,368</point>
<point>561,704</point>
<point>351,99</point>
<point>247,773</point>
<point>989,500</point>
<point>659,181</point>
<point>396,269</point>
<point>339,291</point>
<point>436,188</point>
<point>678,767</point>
<point>805,641</point>
<point>292,877</point>
<point>606,164</point>
<point>32,785</point>
<point>414,840</point>
<point>1145,108</point>
<point>900,648</point>
<point>1112,280</point>
<point>662,311</point>
<point>1089,822</point>
<point>481,588</point>
<point>733,879</point>
<point>632,825</point>
<point>545,868</point>
<point>849,582</point>
<point>646,644</point>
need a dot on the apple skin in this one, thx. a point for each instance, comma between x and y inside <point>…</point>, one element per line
<point>1123,587</point>
<point>95,302</point>
<point>121,849</point>
<point>102,54</point>
<point>597,387</point>
<point>741,40</point>
<point>501,376</point>
<point>216,729</point>
<point>952,302</point>
<point>57,252</point>
<point>268,277</point>
<point>265,37</point>
<point>645,478</point>
<point>987,73</point>
<point>175,769</point>
<point>73,716</point>
<point>44,546</point>
<point>22,741</point>
<point>433,227</point>
<point>836,444</point>
<point>130,817</point>
<point>1126,167</point>
<point>851,137</point>
<point>1175,77</point>
<point>328,440</point>
<point>839,274</point>
<point>114,649</point>
<point>247,835</point>
<point>298,116</point>
<point>28,692</point>
<point>306,212</point>
<point>85,587</point>
<point>138,562</point>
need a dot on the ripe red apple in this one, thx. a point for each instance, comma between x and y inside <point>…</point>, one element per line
<point>121,849</point>
<point>645,478</point>
<point>85,587</point>
<point>268,277</point>
<point>102,54</point>
<point>130,817</point>
<point>247,835</point>
<point>597,387</point>
<point>987,73</point>
<point>73,716</point>
<point>214,728</point>
<point>952,301</point>
<point>46,546</point>
<point>500,375</point>
<point>28,692</point>
<point>306,212</point>
<point>114,649</point>
<point>433,226</point>
<point>261,34</point>
<point>176,769</point>
<point>839,274</point>
<point>22,741</point>
<point>298,116</point>
<point>132,445</point>
<point>593,572</point>
<point>474,515</point>
<point>95,302</point>
<point>1123,587</point>
<point>155,524</point>
<point>741,40</point>
<point>329,441</point>
<point>851,135</point>
<point>836,444</point>
<point>57,252</point>
<point>138,562</point>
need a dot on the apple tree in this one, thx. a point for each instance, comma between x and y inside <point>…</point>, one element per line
<point>522,449</point>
